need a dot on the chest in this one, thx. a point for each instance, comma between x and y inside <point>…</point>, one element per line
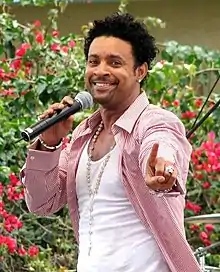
<point>105,181</point>
<point>101,145</point>
<point>127,161</point>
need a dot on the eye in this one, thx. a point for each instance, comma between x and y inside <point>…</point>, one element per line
<point>92,62</point>
<point>116,63</point>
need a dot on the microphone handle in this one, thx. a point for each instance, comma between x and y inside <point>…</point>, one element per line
<point>33,131</point>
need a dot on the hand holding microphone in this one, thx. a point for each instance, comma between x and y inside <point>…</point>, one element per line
<point>57,120</point>
<point>53,135</point>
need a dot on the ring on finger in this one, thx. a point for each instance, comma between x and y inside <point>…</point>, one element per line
<point>169,169</point>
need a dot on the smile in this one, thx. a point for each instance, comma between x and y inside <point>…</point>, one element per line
<point>103,85</point>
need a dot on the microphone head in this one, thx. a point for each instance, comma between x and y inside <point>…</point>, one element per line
<point>85,99</point>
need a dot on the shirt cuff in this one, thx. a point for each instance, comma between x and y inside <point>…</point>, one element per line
<point>42,160</point>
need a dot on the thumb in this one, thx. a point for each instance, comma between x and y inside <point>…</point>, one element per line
<point>155,180</point>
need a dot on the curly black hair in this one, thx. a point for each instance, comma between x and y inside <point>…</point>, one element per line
<point>125,27</point>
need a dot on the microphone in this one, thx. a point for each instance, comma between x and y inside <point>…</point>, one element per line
<point>83,100</point>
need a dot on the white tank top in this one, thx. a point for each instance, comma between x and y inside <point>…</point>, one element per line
<point>120,243</point>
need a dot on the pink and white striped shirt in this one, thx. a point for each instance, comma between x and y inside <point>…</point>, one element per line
<point>49,177</point>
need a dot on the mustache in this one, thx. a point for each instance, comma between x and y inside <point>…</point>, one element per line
<point>107,79</point>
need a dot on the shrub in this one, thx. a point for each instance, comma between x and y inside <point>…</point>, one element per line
<point>39,67</point>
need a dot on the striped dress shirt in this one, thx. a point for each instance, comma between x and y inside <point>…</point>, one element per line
<point>49,177</point>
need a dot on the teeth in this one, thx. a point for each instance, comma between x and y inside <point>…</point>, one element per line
<point>102,84</point>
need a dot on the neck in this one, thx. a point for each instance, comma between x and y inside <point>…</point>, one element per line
<point>111,115</point>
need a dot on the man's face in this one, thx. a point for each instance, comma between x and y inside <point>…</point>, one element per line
<point>110,75</point>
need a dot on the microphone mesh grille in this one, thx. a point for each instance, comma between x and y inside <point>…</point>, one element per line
<point>85,99</point>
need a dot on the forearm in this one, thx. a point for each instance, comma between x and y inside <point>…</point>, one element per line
<point>44,180</point>
<point>174,148</point>
<point>45,194</point>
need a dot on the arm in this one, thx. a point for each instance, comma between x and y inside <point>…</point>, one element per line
<point>168,131</point>
<point>44,177</point>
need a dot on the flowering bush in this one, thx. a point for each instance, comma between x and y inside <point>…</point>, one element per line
<point>11,245</point>
<point>39,67</point>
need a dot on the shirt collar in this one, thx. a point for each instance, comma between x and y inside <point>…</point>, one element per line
<point>128,119</point>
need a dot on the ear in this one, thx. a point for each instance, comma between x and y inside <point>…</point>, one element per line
<point>141,72</point>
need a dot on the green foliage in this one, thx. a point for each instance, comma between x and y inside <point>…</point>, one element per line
<point>39,67</point>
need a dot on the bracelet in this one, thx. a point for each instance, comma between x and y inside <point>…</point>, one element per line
<point>48,146</point>
<point>166,190</point>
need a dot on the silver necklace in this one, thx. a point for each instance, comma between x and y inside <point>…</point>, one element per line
<point>93,192</point>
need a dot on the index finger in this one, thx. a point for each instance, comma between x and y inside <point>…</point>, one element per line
<point>153,155</point>
<point>67,100</point>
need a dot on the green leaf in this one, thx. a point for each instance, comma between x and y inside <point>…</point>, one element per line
<point>50,75</point>
<point>41,87</point>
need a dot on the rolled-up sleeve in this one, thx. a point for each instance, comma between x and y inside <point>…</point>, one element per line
<point>168,131</point>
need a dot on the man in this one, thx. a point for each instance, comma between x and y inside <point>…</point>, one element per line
<point>124,173</point>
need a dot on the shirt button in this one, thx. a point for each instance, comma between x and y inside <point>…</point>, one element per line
<point>32,158</point>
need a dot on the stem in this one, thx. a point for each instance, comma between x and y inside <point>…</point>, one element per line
<point>207,202</point>
<point>208,70</point>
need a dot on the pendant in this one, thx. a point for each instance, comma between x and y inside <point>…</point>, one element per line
<point>89,251</point>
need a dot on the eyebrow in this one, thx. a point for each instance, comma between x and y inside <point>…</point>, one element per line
<point>112,56</point>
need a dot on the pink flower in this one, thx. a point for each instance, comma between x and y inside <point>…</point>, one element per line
<point>176,103</point>
<point>65,48</point>
<point>21,251</point>
<point>206,185</point>
<point>211,136</point>
<point>1,192</point>
<point>203,235</point>
<point>72,44</point>
<point>193,207</point>
<point>14,180</point>
<point>55,33</point>
<point>209,227</point>
<point>12,223</point>
<point>198,103</point>
<point>39,37</point>
<point>21,51</point>
<point>16,64</point>
<point>37,23</point>
<point>194,227</point>
<point>55,47</point>
<point>33,251</point>
<point>165,103</point>
<point>188,115</point>
<point>8,92</point>
<point>9,242</point>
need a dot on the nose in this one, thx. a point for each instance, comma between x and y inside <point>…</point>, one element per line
<point>101,70</point>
